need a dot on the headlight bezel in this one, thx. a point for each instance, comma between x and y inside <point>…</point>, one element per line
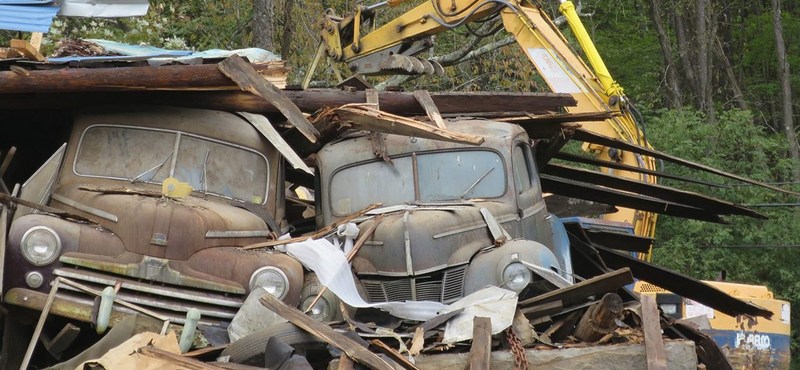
<point>506,281</point>
<point>24,249</point>
<point>326,308</point>
<point>270,269</point>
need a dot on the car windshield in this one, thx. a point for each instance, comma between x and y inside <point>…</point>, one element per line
<point>442,176</point>
<point>147,155</point>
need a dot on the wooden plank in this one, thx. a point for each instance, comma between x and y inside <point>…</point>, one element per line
<point>324,332</point>
<point>541,310</point>
<point>182,361</point>
<point>249,80</point>
<point>591,137</point>
<point>7,161</point>
<point>316,234</point>
<point>394,355</point>
<point>346,363</point>
<point>27,50</point>
<point>210,89</point>
<point>370,119</point>
<point>266,129</point>
<point>425,100</point>
<point>197,78</point>
<point>651,325</point>
<point>40,324</point>
<point>36,40</point>
<point>9,53</point>
<point>481,351</point>
<point>581,291</point>
<point>205,351</point>
<point>7,199</point>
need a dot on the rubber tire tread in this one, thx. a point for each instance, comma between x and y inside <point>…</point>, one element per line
<point>249,350</point>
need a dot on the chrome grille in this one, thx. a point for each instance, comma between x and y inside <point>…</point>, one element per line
<point>170,301</point>
<point>443,286</point>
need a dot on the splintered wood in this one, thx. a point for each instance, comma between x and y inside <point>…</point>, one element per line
<point>365,117</point>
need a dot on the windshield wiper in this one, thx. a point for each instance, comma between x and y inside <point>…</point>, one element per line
<point>476,182</point>
<point>156,168</point>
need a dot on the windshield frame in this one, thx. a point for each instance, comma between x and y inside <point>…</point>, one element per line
<point>329,194</point>
<point>178,133</point>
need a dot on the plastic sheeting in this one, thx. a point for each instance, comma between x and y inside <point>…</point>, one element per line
<point>495,303</point>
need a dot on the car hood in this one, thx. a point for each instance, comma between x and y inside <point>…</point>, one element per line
<point>163,227</point>
<point>437,237</point>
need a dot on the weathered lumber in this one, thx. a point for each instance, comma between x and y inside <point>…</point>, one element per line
<point>481,350</point>
<point>7,200</point>
<point>370,119</point>
<point>651,324</point>
<point>249,80</point>
<point>654,190</point>
<point>182,361</point>
<point>425,100</point>
<point>190,77</point>
<point>591,137</point>
<point>680,354</point>
<point>581,291</point>
<point>599,319</point>
<point>27,50</point>
<point>309,101</point>
<point>324,332</point>
<point>315,234</point>
<point>544,309</point>
<point>394,355</point>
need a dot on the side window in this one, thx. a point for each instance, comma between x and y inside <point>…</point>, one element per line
<point>522,176</point>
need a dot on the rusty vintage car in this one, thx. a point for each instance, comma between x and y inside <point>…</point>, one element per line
<point>166,254</point>
<point>449,209</point>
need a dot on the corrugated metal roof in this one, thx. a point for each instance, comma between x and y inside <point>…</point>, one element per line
<point>27,15</point>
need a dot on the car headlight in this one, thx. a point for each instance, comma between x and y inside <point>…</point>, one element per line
<point>516,276</point>
<point>272,279</point>
<point>320,310</point>
<point>40,245</point>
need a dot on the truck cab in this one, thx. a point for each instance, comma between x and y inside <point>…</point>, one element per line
<point>165,253</point>
<point>442,200</point>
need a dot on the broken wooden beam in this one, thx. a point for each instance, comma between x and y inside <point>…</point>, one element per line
<point>541,310</point>
<point>324,332</point>
<point>27,50</point>
<point>425,100</point>
<point>651,325</point>
<point>367,118</point>
<point>599,319</point>
<point>394,355</point>
<point>591,137</point>
<point>580,292</point>
<point>189,77</point>
<point>481,350</point>
<point>249,80</point>
<point>48,94</point>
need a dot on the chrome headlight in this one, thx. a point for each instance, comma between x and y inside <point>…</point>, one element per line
<point>516,276</point>
<point>272,279</point>
<point>320,310</point>
<point>40,245</point>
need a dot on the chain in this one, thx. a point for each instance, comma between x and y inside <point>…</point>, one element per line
<point>520,360</point>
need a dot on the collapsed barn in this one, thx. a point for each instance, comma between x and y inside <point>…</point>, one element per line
<point>570,317</point>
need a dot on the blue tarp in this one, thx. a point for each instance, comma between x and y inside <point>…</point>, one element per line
<point>27,15</point>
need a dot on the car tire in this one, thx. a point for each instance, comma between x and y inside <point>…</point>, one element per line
<point>250,349</point>
<point>16,337</point>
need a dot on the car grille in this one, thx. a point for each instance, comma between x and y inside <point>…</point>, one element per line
<point>443,286</point>
<point>170,301</point>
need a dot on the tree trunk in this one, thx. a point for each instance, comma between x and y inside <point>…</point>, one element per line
<point>666,49</point>
<point>263,28</point>
<point>288,30</point>
<point>701,36</point>
<point>731,76</point>
<point>786,88</point>
<point>686,60</point>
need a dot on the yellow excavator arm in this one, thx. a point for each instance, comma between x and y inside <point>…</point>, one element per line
<point>390,49</point>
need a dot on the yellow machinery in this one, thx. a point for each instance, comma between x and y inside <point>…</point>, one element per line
<point>748,343</point>
<point>390,48</point>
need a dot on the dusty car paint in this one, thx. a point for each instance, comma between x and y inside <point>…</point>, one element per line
<point>159,248</point>
<point>441,249</point>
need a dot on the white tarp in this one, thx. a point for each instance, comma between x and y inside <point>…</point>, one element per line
<point>333,271</point>
<point>495,303</point>
<point>103,8</point>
